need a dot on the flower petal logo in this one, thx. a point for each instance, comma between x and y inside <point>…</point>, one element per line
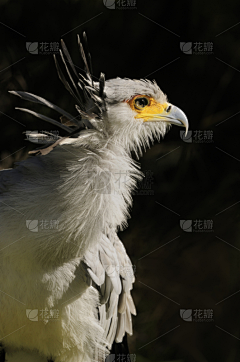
<point>32,314</point>
<point>110,4</point>
<point>102,183</point>
<point>186,138</point>
<point>32,47</point>
<point>186,225</point>
<point>32,225</point>
<point>186,47</point>
<point>186,315</point>
<point>110,358</point>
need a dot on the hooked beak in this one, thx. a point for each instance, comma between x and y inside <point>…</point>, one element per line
<point>171,114</point>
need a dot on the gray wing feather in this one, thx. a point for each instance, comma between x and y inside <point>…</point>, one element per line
<point>111,271</point>
<point>13,176</point>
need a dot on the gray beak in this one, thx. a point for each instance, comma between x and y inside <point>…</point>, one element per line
<point>173,115</point>
<point>178,117</point>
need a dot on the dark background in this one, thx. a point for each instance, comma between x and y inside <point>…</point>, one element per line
<point>191,181</point>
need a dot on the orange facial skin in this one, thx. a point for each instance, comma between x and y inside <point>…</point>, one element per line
<point>149,111</point>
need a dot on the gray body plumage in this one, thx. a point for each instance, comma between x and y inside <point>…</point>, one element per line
<point>84,181</point>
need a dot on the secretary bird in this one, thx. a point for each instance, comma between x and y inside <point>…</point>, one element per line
<point>65,275</point>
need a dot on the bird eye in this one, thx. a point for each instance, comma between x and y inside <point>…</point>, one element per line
<point>141,102</point>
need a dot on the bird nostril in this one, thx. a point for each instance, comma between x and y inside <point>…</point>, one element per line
<point>168,109</point>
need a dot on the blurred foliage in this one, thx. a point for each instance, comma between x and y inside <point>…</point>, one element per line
<point>190,180</point>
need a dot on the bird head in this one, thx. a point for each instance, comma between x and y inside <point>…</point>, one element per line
<point>137,111</point>
<point>130,112</point>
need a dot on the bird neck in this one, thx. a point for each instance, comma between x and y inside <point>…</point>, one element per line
<point>97,177</point>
